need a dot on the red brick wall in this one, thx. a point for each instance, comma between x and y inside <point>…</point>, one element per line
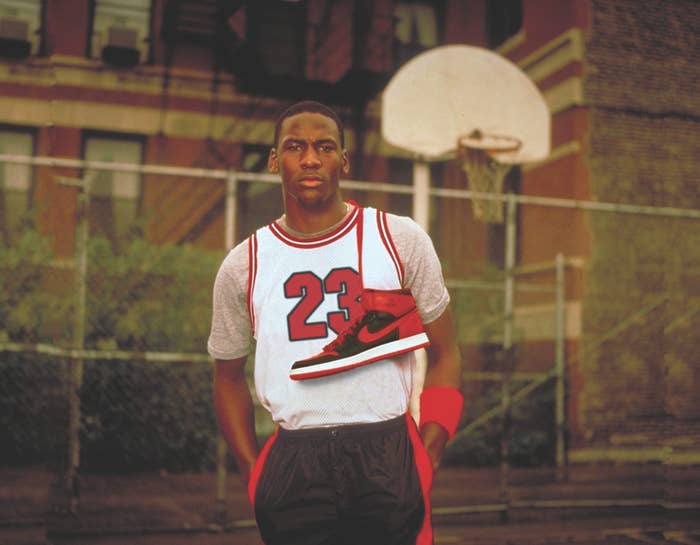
<point>641,86</point>
<point>56,202</point>
<point>67,27</point>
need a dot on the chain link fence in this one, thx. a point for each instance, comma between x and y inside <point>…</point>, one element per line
<point>102,362</point>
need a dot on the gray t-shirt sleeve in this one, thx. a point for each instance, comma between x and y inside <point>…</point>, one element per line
<point>230,334</point>
<point>422,268</point>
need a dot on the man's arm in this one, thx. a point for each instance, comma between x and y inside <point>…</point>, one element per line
<point>444,369</point>
<point>234,410</point>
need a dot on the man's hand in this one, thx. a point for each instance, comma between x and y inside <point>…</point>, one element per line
<point>434,438</point>
<point>244,471</point>
<point>444,369</point>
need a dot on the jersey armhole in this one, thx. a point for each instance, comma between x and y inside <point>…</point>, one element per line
<point>252,274</point>
<point>388,241</point>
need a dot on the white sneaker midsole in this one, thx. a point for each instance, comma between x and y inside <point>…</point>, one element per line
<point>379,352</point>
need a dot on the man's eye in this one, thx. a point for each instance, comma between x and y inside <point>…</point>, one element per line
<point>327,148</point>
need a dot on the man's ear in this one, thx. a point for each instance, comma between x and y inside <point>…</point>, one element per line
<point>273,164</point>
<point>346,161</point>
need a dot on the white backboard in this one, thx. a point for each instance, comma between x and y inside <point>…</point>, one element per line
<point>450,91</point>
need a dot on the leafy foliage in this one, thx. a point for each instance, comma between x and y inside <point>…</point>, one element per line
<point>149,297</point>
<point>140,297</point>
<point>31,309</point>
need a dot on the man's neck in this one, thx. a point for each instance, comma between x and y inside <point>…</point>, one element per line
<point>312,222</point>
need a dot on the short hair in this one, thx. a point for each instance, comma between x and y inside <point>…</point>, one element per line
<point>310,106</point>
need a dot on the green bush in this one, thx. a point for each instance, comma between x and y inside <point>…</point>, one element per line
<point>31,310</point>
<point>149,297</point>
<point>135,414</point>
<point>33,409</point>
<point>147,416</point>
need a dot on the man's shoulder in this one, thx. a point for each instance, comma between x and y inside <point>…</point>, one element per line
<point>392,217</point>
<point>237,256</point>
<point>240,253</point>
<point>400,224</point>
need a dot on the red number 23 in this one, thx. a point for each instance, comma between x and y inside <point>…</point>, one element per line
<point>311,291</point>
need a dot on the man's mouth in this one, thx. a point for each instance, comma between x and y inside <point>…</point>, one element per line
<point>310,182</point>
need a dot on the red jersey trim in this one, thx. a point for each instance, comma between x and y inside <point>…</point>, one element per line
<point>257,470</point>
<point>252,275</point>
<point>425,475</point>
<point>360,242</point>
<point>388,242</point>
<point>316,242</point>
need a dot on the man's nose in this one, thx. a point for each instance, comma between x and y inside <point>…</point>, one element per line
<point>310,158</point>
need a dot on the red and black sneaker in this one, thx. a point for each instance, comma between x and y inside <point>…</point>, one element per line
<point>388,326</point>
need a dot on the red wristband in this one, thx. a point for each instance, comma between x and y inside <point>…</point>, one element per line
<point>442,405</point>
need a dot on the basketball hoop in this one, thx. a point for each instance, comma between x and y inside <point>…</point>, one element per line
<point>473,98</point>
<point>477,154</point>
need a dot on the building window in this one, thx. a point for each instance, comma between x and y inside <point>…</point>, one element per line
<point>415,28</point>
<point>15,181</point>
<point>504,18</point>
<point>121,31</point>
<point>20,28</point>
<point>115,195</point>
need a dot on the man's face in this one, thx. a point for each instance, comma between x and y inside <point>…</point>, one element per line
<point>309,159</point>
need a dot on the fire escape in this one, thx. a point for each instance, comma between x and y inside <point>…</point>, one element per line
<point>336,51</point>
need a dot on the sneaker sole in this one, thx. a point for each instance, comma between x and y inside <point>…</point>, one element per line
<point>383,351</point>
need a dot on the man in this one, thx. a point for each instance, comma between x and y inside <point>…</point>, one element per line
<point>346,465</point>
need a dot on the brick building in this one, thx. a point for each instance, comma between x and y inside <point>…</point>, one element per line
<point>199,84</point>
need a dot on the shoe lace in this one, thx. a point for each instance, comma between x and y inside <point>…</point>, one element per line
<point>350,331</point>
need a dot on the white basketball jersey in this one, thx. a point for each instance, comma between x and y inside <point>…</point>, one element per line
<point>303,292</point>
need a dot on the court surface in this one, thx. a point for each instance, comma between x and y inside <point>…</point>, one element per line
<point>589,505</point>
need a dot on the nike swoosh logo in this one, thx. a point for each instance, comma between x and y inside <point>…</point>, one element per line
<point>366,336</point>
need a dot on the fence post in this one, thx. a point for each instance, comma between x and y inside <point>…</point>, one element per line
<point>510,250</point>
<point>78,341</point>
<point>508,361</point>
<point>231,208</point>
<point>230,212</point>
<point>560,392</point>
<point>421,194</point>
<point>421,215</point>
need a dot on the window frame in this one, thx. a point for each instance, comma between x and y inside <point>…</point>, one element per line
<point>36,41</point>
<point>5,229</point>
<point>113,233</point>
<point>120,55</point>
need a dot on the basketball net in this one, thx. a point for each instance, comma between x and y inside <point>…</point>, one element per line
<point>485,175</point>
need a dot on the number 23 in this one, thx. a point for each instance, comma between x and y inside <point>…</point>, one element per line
<point>311,290</point>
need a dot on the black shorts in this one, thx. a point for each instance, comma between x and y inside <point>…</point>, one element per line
<point>364,484</point>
